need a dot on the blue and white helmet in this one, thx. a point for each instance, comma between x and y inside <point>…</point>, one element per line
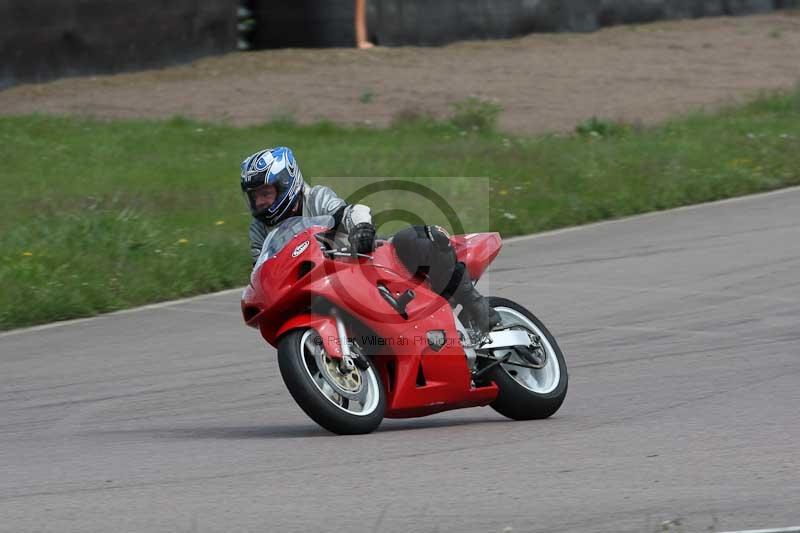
<point>273,166</point>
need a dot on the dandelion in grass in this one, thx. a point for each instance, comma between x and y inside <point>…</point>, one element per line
<point>219,222</point>
<point>183,241</point>
<point>27,254</point>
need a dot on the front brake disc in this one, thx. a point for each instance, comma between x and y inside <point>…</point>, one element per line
<point>350,385</point>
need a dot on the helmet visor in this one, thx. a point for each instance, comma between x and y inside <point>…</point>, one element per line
<point>262,198</point>
<point>271,201</point>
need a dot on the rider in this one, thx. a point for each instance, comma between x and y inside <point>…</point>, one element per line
<point>275,190</point>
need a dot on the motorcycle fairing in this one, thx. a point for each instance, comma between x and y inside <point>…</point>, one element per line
<point>418,379</point>
<point>477,251</point>
<point>325,326</point>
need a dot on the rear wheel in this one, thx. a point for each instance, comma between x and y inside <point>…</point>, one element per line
<point>345,402</point>
<point>528,393</point>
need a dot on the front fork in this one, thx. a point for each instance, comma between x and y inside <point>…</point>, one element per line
<point>349,361</point>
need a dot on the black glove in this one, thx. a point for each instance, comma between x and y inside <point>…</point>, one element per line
<point>362,238</point>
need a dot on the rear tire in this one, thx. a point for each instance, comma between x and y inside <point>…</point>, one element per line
<point>527,394</point>
<point>303,365</point>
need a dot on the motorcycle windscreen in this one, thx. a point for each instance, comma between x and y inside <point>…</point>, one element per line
<point>287,230</point>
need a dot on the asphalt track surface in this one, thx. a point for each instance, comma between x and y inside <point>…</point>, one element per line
<point>681,329</point>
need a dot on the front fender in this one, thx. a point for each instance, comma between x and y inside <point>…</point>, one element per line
<point>325,326</point>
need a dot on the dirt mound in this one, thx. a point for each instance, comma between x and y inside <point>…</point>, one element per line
<point>545,82</point>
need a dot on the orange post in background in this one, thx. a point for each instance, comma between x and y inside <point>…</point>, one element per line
<point>361,25</point>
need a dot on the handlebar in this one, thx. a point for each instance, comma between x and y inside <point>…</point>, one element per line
<point>327,248</point>
<point>344,252</point>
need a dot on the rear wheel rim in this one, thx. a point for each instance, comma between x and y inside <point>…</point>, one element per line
<point>358,393</point>
<point>541,381</point>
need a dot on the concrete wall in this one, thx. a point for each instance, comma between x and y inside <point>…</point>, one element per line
<point>299,23</point>
<point>284,23</point>
<point>433,22</point>
<point>46,39</point>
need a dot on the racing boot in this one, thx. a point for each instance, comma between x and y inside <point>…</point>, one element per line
<point>476,307</point>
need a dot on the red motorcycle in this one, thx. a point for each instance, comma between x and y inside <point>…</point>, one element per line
<point>360,339</point>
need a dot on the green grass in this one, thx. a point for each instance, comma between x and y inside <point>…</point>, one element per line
<point>99,215</point>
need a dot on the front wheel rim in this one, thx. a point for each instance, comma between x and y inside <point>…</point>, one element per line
<point>362,396</point>
<point>541,381</point>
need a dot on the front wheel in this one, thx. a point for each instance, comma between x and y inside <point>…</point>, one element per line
<point>348,403</point>
<point>528,393</point>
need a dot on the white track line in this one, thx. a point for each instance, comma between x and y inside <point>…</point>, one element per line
<point>510,240</point>
<point>651,214</point>
<point>159,305</point>
<point>795,529</point>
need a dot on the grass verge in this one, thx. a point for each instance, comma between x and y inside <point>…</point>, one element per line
<point>100,216</point>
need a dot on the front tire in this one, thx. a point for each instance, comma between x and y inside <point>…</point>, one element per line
<point>347,404</point>
<point>528,394</point>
